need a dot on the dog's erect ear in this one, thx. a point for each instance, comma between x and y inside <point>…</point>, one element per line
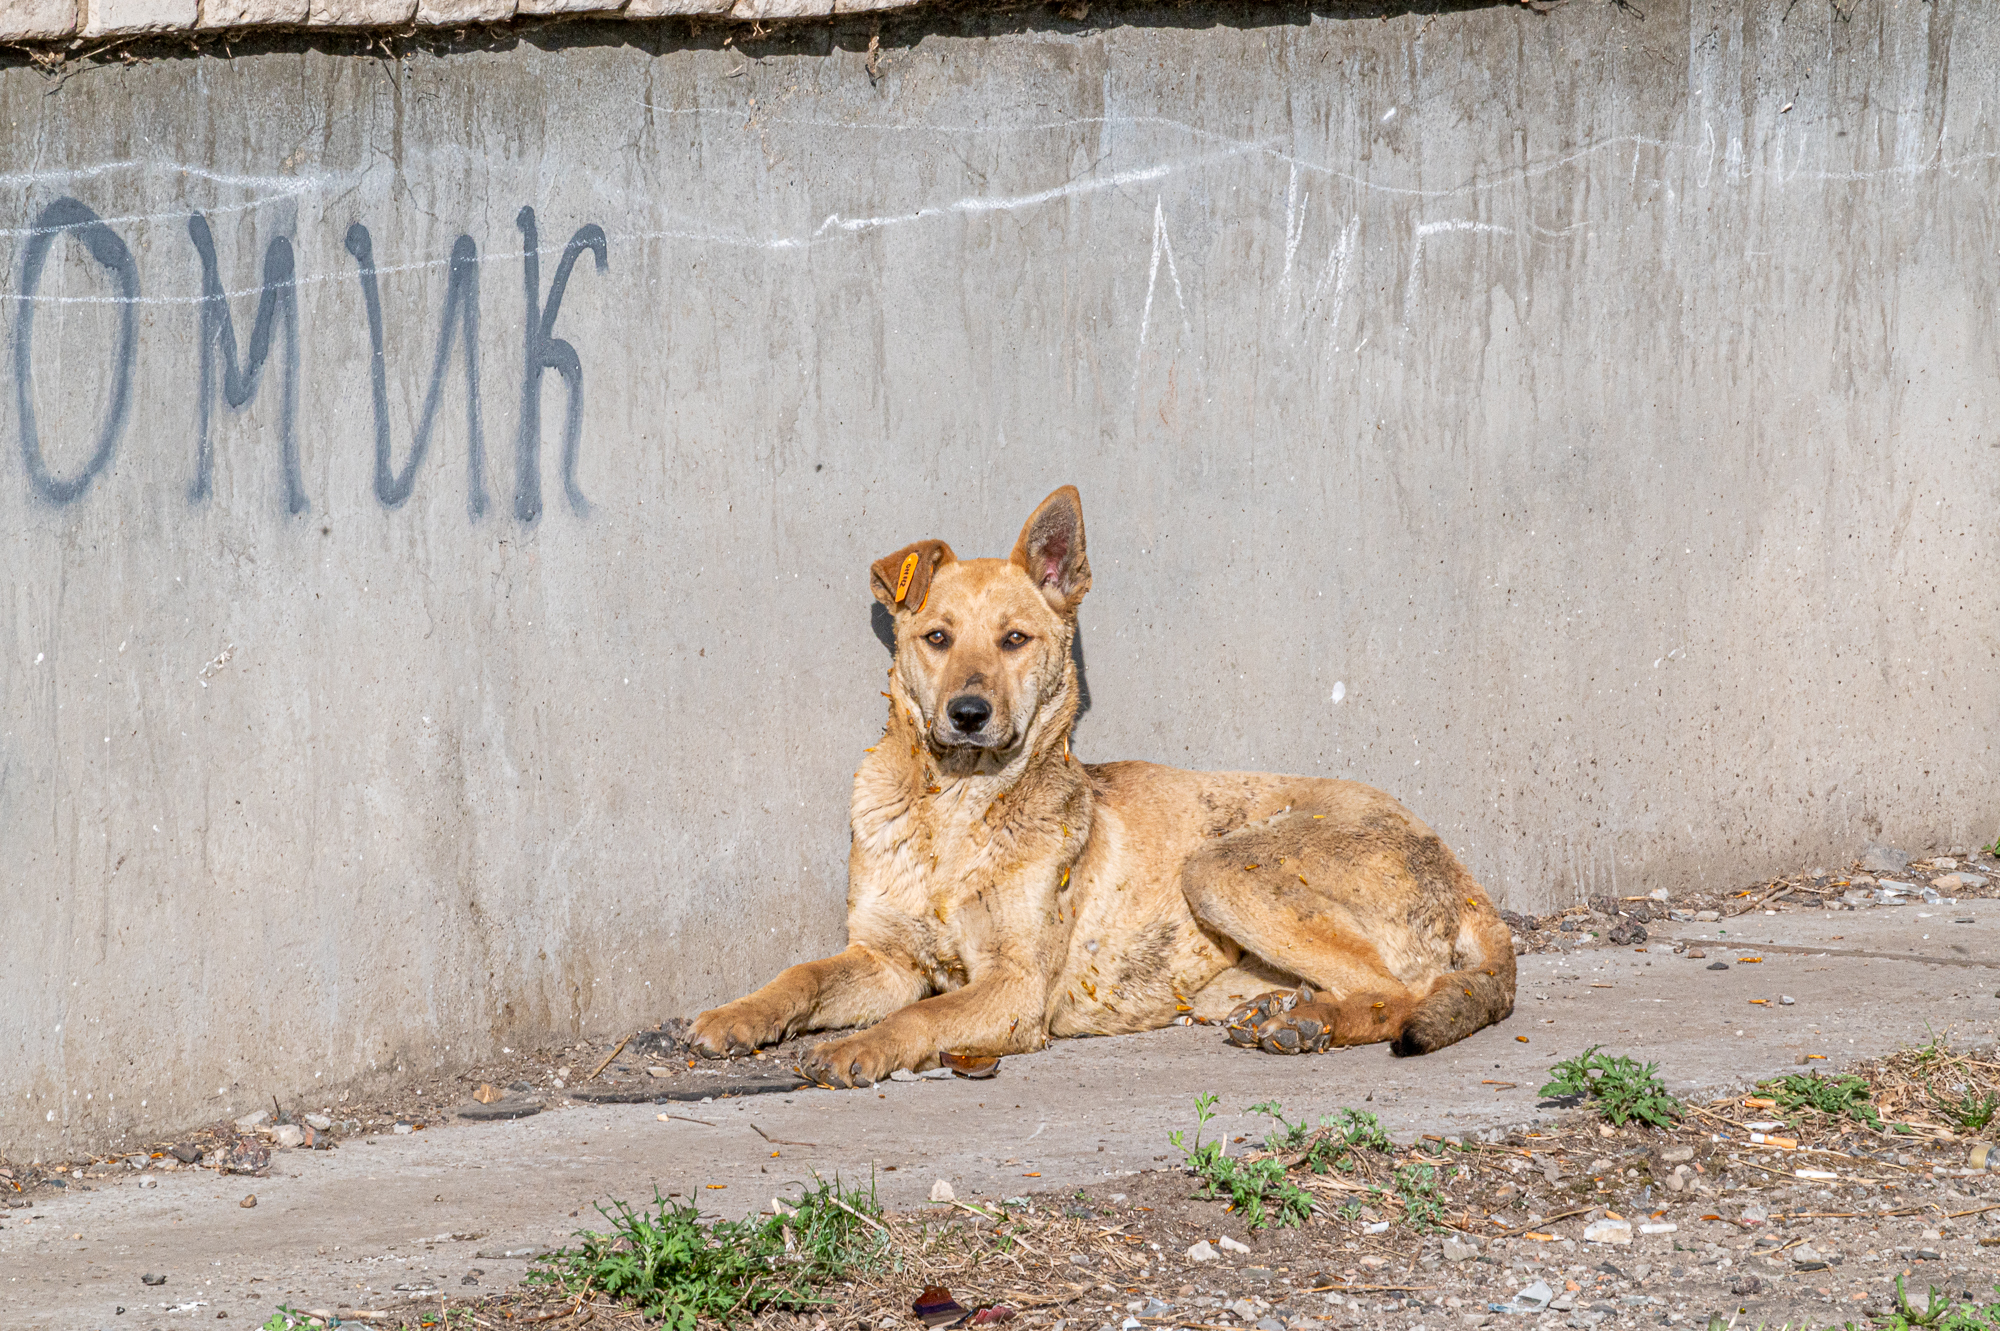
<point>901,581</point>
<point>1051,550</point>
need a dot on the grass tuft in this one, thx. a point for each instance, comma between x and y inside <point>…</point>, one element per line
<point>665,1263</point>
<point>1619,1089</point>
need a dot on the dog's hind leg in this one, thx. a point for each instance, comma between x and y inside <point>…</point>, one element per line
<point>1393,939</point>
<point>857,987</point>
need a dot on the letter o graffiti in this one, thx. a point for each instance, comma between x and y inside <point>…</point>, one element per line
<point>73,217</point>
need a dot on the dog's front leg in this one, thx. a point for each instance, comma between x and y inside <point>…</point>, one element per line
<point>855,988</point>
<point>999,1015</point>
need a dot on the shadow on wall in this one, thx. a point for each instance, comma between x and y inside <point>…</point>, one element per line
<point>884,625</point>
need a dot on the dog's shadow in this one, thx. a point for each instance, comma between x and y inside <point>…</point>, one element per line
<point>884,625</point>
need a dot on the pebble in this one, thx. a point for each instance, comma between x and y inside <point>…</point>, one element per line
<point>1718,965</point>
<point>1674,1155</point>
<point>288,1135</point>
<point>1884,859</point>
<point>403,1129</point>
<point>251,1121</point>
<point>1786,1000</point>
<point>149,1183</point>
<point>319,1122</point>
<point>1707,916</point>
<point>248,1202</point>
<point>1697,954</point>
<point>1202,1252</point>
<point>1228,1244</point>
<point>941,1191</point>
<point>1454,1251</point>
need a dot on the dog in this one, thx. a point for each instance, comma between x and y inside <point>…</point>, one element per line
<point>1002,894</point>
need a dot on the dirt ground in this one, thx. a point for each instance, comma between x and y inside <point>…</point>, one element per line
<point>1749,1236</point>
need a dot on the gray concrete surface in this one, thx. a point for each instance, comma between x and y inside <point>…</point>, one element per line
<point>1576,425</point>
<point>351,1226</point>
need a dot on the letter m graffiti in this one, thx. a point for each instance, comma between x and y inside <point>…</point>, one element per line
<point>277,312</point>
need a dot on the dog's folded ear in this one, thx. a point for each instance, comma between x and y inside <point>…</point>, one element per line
<point>1051,550</point>
<point>901,581</point>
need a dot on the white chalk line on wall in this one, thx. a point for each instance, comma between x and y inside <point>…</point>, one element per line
<point>292,189</point>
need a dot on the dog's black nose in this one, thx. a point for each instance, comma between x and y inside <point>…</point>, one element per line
<point>968,713</point>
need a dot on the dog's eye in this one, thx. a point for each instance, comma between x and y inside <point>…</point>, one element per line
<point>1014,639</point>
<point>938,638</point>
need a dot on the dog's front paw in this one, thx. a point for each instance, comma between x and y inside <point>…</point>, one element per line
<point>857,1060</point>
<point>734,1028</point>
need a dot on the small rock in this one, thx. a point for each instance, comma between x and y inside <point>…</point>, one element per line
<point>1641,1273</point>
<point>185,1152</point>
<point>1639,911</point>
<point>1707,916</point>
<point>1228,1244</point>
<point>1627,933</point>
<point>1202,1252</point>
<point>1944,862</point>
<point>1697,954</point>
<point>1608,1231</point>
<point>288,1135</point>
<point>404,1129</point>
<point>1884,859</point>
<point>900,1074</point>
<point>248,1202</point>
<point>1755,1215</point>
<point>251,1122</point>
<point>1079,1259</point>
<point>1374,1263</point>
<point>1604,905</point>
<point>1746,1285</point>
<point>1972,879</point>
<point>1786,1000</point>
<point>319,1122</point>
<point>150,1279</point>
<point>1454,1251</point>
<point>941,1192</point>
<point>1804,1258</point>
<point>1674,1155</point>
<point>1718,965</point>
<point>149,1183</point>
<point>1562,1304</point>
<point>1949,882</point>
<point>1673,1183</point>
<point>1269,1324</point>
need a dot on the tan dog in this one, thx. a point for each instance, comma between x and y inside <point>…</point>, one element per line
<point>1001,894</point>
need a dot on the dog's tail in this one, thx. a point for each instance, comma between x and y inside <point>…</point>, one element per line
<point>1478,994</point>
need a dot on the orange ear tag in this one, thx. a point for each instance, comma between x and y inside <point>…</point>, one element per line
<point>903,578</point>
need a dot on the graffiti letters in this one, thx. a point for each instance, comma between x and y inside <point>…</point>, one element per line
<point>236,371</point>
<point>70,217</point>
<point>277,311</point>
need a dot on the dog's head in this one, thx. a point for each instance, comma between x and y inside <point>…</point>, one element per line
<point>982,645</point>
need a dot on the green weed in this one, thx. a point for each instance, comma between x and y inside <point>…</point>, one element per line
<point>668,1265</point>
<point>1836,1097</point>
<point>1331,1145</point>
<point>1419,1186</point>
<point>1973,1112</point>
<point>1939,1313</point>
<point>1620,1089</point>
<point>1257,1189</point>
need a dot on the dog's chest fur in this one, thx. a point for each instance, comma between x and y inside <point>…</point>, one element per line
<point>963,875</point>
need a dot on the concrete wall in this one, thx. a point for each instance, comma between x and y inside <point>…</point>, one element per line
<point>1579,426</point>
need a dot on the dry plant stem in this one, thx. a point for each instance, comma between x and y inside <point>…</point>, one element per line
<point>619,1049</point>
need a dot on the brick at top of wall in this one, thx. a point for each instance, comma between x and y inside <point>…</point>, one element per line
<point>106,18</point>
<point>36,20</point>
